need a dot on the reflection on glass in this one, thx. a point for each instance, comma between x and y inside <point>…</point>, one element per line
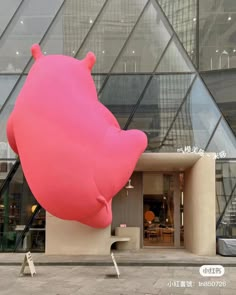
<point>7,82</point>
<point>8,7</point>
<point>223,141</point>
<point>146,44</point>
<point>8,109</point>
<point>99,80</point>
<point>111,31</point>
<point>183,17</point>
<point>223,88</point>
<point>53,43</point>
<point>159,106</point>
<point>78,17</point>
<point>15,211</point>
<point>121,94</point>
<point>195,122</point>
<point>217,23</point>
<point>27,28</point>
<point>174,60</point>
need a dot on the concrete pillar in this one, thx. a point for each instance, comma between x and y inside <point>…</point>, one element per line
<point>199,207</point>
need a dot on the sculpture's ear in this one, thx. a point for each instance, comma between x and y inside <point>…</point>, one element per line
<point>89,60</point>
<point>36,51</point>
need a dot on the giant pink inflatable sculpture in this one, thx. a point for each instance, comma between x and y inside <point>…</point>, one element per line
<point>73,153</point>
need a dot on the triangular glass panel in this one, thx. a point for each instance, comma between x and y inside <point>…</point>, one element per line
<point>121,93</point>
<point>7,82</point>
<point>159,106</point>
<point>174,60</point>
<point>146,44</point>
<point>195,121</point>
<point>20,35</point>
<point>70,28</point>
<point>183,17</point>
<point>53,41</point>
<point>111,31</point>
<point>223,141</point>
<point>8,8</point>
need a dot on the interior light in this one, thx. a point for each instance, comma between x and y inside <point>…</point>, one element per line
<point>17,52</point>
<point>73,52</point>
<point>129,186</point>
<point>90,21</point>
<point>217,50</point>
<point>133,51</point>
<point>194,19</point>
<point>45,52</point>
<point>229,18</point>
<point>103,51</point>
<point>234,50</point>
<point>33,208</point>
<point>22,22</point>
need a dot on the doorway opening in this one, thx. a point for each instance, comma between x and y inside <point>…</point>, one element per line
<point>163,210</point>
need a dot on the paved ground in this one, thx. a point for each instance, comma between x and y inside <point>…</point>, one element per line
<point>143,272</point>
<point>100,280</point>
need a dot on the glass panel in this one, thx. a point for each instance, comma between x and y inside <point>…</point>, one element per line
<point>8,7</point>
<point>223,141</point>
<point>229,183</point>
<point>223,88</point>
<point>146,44</point>
<point>111,31</point>
<point>7,82</point>
<point>99,80</point>
<point>217,21</point>
<point>6,112</point>
<point>183,17</point>
<point>27,28</point>
<point>16,207</point>
<point>195,122</point>
<point>121,94</point>
<point>174,61</point>
<point>159,106</point>
<point>77,20</point>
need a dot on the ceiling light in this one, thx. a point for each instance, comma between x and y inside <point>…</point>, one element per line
<point>194,19</point>
<point>73,52</point>
<point>45,52</point>
<point>129,186</point>
<point>17,52</point>
<point>90,21</point>
<point>217,50</point>
<point>103,51</point>
<point>229,18</point>
<point>22,22</point>
<point>133,51</point>
<point>234,50</point>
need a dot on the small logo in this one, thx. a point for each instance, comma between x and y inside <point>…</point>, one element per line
<point>212,270</point>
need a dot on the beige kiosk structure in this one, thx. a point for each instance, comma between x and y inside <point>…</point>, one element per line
<point>73,238</point>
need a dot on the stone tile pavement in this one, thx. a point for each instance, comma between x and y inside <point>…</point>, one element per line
<point>101,280</point>
<point>143,272</point>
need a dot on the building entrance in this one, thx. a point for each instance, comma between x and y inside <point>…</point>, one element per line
<point>163,210</point>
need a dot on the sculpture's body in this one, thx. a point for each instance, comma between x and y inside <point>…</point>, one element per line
<point>73,153</point>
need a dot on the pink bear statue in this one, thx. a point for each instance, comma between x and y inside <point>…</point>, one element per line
<point>73,153</point>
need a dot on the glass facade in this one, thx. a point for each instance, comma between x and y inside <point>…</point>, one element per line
<point>151,57</point>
